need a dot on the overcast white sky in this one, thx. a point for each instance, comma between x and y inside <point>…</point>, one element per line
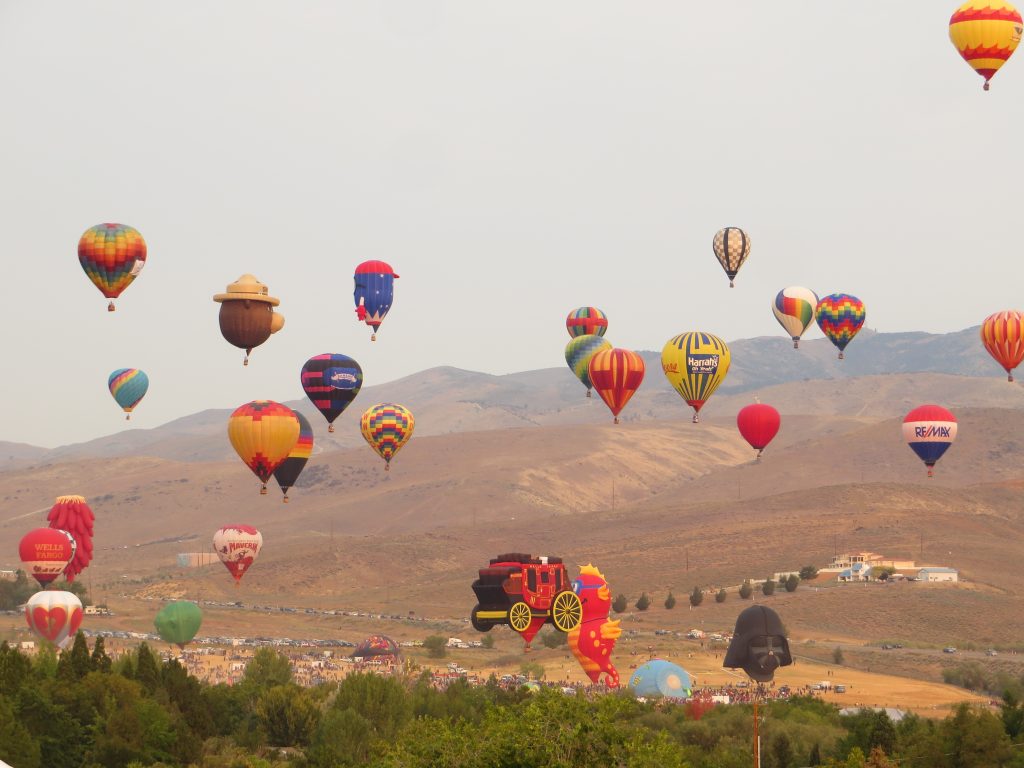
<point>511,160</point>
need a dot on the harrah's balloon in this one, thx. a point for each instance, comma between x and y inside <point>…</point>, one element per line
<point>929,430</point>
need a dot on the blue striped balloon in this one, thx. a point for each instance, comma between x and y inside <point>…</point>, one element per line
<point>128,386</point>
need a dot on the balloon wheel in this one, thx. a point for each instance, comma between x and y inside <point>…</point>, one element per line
<point>519,616</point>
<point>567,611</point>
<point>478,624</point>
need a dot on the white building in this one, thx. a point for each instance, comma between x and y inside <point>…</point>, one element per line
<point>938,574</point>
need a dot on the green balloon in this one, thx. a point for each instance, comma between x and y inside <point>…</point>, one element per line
<point>178,622</point>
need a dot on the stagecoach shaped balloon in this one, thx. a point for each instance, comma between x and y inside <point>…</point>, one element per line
<point>112,256</point>
<point>54,615</point>
<point>237,546</point>
<point>45,552</point>
<point>929,430</point>
<point>794,309</point>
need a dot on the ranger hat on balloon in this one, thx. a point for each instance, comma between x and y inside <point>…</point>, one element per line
<point>247,316</point>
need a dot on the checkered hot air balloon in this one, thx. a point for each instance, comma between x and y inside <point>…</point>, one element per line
<point>387,427</point>
<point>263,433</point>
<point>732,247</point>
<point>840,316</point>
<point>986,33</point>
<point>112,256</point>
<point>1003,337</point>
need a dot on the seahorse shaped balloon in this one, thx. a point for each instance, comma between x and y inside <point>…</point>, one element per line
<point>594,639</point>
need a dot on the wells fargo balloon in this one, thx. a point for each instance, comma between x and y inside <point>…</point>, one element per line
<point>1003,337</point>
<point>128,386</point>
<point>112,255</point>
<point>929,430</point>
<point>986,33</point>
<point>578,353</point>
<point>263,433</point>
<point>616,374</point>
<point>374,293</point>
<point>331,382</point>
<point>54,615</point>
<point>840,316</point>
<point>586,320</point>
<point>45,552</point>
<point>387,427</point>
<point>288,471</point>
<point>758,423</point>
<point>732,247</point>
<point>247,316</point>
<point>237,546</point>
<point>695,363</point>
<point>794,309</point>
<point>72,514</point>
<point>178,622</point>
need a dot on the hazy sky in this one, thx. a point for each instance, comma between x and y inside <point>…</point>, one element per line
<point>512,161</point>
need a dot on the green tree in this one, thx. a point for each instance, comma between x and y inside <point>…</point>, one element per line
<point>343,738</point>
<point>792,582</point>
<point>670,601</point>
<point>147,669</point>
<point>487,641</point>
<point>266,669</point>
<point>99,661</point>
<point>15,668</point>
<point>768,588</point>
<point>808,572</point>
<point>383,701</point>
<point>437,646</point>
<point>532,669</point>
<point>1011,713</point>
<point>619,604</point>
<point>781,751</point>
<point>17,746</point>
<point>696,597</point>
<point>721,596</point>
<point>837,655</point>
<point>643,602</point>
<point>746,590</point>
<point>554,639</point>
<point>286,715</point>
<point>814,756</point>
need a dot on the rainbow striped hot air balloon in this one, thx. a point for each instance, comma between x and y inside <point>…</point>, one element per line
<point>986,33</point>
<point>1003,337</point>
<point>112,256</point>
<point>578,353</point>
<point>288,471</point>
<point>840,316</point>
<point>616,375</point>
<point>128,386</point>
<point>794,309</point>
<point>695,363</point>
<point>586,320</point>
<point>387,427</point>
<point>263,433</point>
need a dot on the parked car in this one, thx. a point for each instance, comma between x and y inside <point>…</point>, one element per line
<point>840,689</point>
<point>991,652</point>
<point>949,649</point>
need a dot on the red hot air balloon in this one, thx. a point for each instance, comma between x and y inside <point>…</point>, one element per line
<point>758,423</point>
<point>45,552</point>
<point>616,374</point>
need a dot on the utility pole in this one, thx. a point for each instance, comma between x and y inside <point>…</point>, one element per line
<point>920,551</point>
<point>687,561</point>
<point>757,738</point>
<point>613,494</point>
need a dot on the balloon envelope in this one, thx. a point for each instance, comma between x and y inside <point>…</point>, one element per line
<point>732,247</point>
<point>374,292</point>
<point>794,309</point>
<point>758,423</point>
<point>387,427</point>
<point>578,353</point>
<point>379,647</point>
<point>1003,337</point>
<point>45,552</point>
<point>54,615</point>
<point>71,514</point>
<point>178,622</point>
<point>695,363</point>
<point>263,433</point>
<point>985,33</point>
<point>288,471</point>
<point>128,386</point>
<point>660,678</point>
<point>237,546</point>
<point>929,430</point>
<point>586,321</point>
<point>616,374</point>
<point>331,382</point>
<point>112,256</point>
<point>840,316</point>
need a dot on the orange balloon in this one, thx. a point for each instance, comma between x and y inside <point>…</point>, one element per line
<point>616,374</point>
<point>1002,336</point>
<point>263,433</point>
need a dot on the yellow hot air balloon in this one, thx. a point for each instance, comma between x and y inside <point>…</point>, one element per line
<point>387,427</point>
<point>695,363</point>
<point>263,433</point>
<point>986,33</point>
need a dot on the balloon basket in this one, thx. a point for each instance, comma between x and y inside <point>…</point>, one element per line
<point>588,391</point>
<point>696,418</point>
<point>732,284</point>
<point>285,500</point>
<point>616,420</point>
<point>985,86</point>
<point>263,491</point>
<point>330,427</point>
<point>111,307</point>
<point>930,472</point>
<point>387,467</point>
<point>796,343</point>
<point>245,361</point>
<point>373,337</point>
<point>1009,377</point>
<point>842,356</point>
<point>127,416</point>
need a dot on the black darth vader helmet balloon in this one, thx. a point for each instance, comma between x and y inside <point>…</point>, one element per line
<point>758,644</point>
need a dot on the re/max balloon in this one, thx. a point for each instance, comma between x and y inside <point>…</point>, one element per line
<point>288,471</point>
<point>112,256</point>
<point>732,247</point>
<point>178,622</point>
<point>128,386</point>
<point>616,374</point>
<point>986,33</point>
<point>929,430</point>
<point>263,433</point>
<point>794,309</point>
<point>387,427</point>
<point>331,382</point>
<point>374,293</point>
<point>840,316</point>
<point>237,546</point>
<point>586,320</point>
<point>1003,337</point>
<point>578,353</point>
<point>758,423</point>
<point>695,363</point>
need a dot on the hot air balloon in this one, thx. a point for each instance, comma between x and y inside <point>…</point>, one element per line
<point>289,470</point>
<point>758,423</point>
<point>387,427</point>
<point>658,678</point>
<point>929,430</point>
<point>616,374</point>
<point>237,546</point>
<point>578,353</point>
<point>54,616</point>
<point>331,382</point>
<point>263,433</point>
<point>986,33</point>
<point>732,247</point>
<point>247,316</point>
<point>586,321</point>
<point>45,552</point>
<point>794,309</point>
<point>178,622</point>
<point>840,316</point>
<point>72,514</point>
<point>1002,336</point>
<point>112,255</point>
<point>695,363</point>
<point>128,386</point>
<point>374,293</point>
